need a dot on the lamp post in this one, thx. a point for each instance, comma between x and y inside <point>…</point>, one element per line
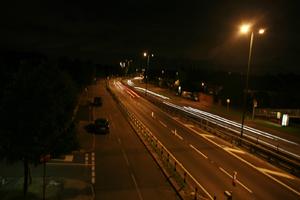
<point>246,28</point>
<point>148,61</point>
<point>228,102</point>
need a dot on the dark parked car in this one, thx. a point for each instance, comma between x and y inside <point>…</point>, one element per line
<point>97,101</point>
<point>101,125</point>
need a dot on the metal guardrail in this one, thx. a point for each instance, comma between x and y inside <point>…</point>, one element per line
<point>272,113</point>
<point>273,155</point>
<point>184,182</point>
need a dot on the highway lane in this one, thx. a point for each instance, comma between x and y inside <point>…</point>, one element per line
<point>124,169</point>
<point>215,171</point>
<point>275,139</point>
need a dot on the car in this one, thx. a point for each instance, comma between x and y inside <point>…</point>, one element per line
<point>101,125</point>
<point>97,101</point>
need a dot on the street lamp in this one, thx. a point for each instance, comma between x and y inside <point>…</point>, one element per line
<point>148,61</point>
<point>228,102</point>
<point>244,29</point>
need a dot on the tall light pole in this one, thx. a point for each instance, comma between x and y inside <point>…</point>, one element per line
<point>246,28</point>
<point>148,55</point>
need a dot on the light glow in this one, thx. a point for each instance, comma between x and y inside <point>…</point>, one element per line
<point>245,28</point>
<point>261,31</point>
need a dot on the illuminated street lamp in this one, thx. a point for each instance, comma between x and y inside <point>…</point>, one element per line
<point>245,29</point>
<point>148,61</point>
<point>228,102</point>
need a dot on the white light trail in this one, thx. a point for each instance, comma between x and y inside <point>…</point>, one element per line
<point>153,93</point>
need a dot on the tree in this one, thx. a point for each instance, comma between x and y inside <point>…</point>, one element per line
<point>35,113</point>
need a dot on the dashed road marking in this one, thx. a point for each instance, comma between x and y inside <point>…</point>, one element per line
<point>202,154</point>
<point>276,173</point>
<point>234,150</point>
<point>179,136</point>
<point>162,123</point>
<point>225,172</point>
<point>176,134</point>
<point>137,187</point>
<point>244,161</point>
<point>189,125</point>
<point>125,157</point>
<point>93,177</point>
<point>207,135</point>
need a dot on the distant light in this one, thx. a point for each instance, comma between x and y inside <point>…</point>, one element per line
<point>145,54</point>
<point>278,115</point>
<point>138,78</point>
<point>152,55</point>
<point>202,84</point>
<point>245,28</point>
<point>228,100</point>
<point>261,31</point>
<point>285,120</point>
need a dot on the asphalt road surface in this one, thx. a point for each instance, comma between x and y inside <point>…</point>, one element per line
<point>210,160</point>
<point>123,167</point>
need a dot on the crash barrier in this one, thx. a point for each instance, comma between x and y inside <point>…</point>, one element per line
<point>273,154</point>
<point>184,183</point>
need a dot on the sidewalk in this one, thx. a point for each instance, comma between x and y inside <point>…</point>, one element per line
<point>56,188</point>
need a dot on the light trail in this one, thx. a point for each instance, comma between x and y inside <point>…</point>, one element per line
<point>153,93</point>
<point>220,121</point>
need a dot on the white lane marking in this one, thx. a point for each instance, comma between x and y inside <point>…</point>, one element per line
<point>179,163</point>
<point>234,150</point>
<point>246,162</point>
<point>125,157</point>
<point>189,125</point>
<point>179,136</point>
<point>202,154</point>
<point>137,187</point>
<point>208,135</point>
<point>162,123</point>
<point>176,134</point>
<point>276,173</point>
<point>93,177</point>
<point>225,172</point>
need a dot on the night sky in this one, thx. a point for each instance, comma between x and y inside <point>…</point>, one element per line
<point>108,31</point>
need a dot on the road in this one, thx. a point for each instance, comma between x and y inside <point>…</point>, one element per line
<point>210,160</point>
<point>123,167</point>
<point>287,143</point>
